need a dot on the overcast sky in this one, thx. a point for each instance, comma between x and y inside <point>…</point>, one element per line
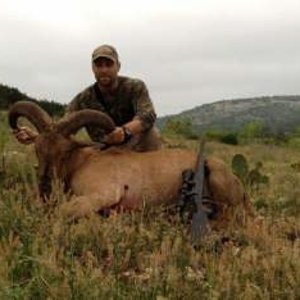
<point>187,52</point>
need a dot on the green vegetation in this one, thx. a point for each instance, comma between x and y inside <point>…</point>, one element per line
<point>252,132</point>
<point>147,254</point>
<point>180,127</point>
<point>222,136</point>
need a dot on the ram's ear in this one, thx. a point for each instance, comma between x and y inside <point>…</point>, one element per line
<point>76,120</point>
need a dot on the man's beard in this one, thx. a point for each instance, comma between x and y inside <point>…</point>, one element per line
<point>107,82</point>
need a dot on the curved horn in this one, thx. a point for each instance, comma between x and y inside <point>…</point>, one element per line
<point>76,120</point>
<point>35,114</point>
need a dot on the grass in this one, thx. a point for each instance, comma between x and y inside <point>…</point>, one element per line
<point>147,254</point>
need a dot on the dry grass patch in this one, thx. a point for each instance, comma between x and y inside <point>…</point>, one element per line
<point>147,254</point>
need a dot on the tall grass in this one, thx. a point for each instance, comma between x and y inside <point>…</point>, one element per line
<point>147,254</point>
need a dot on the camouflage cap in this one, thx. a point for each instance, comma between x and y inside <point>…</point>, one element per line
<point>106,51</point>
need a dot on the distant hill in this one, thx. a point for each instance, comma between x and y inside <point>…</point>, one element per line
<point>279,114</point>
<point>10,95</point>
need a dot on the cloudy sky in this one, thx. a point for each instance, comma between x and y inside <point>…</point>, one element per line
<point>188,52</point>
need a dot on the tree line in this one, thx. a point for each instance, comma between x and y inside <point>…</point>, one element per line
<point>10,95</point>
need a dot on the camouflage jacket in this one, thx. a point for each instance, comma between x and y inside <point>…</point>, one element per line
<point>130,100</point>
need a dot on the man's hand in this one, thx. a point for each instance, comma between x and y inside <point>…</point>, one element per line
<point>116,137</point>
<point>25,135</point>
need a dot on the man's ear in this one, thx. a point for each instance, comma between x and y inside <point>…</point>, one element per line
<point>119,66</point>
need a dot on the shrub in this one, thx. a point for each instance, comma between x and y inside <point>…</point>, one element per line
<point>180,127</point>
<point>225,137</point>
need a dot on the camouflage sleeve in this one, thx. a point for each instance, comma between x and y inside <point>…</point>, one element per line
<point>144,107</point>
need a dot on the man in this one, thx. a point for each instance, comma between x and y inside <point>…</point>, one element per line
<point>124,99</point>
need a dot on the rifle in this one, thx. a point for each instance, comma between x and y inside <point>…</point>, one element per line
<point>199,224</point>
<point>191,198</point>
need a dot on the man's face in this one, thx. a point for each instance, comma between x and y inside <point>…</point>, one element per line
<point>106,71</point>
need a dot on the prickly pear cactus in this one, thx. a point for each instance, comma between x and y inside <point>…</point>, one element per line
<point>253,178</point>
<point>240,167</point>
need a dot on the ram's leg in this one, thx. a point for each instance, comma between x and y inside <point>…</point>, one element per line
<point>82,206</point>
